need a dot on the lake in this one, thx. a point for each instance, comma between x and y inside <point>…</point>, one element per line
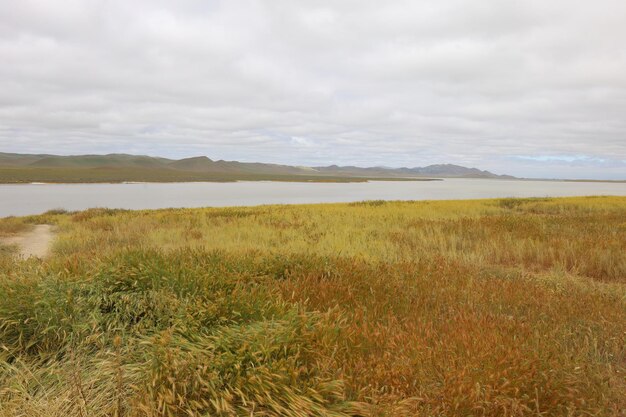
<point>24,199</point>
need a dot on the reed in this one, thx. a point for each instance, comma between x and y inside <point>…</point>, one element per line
<point>451,308</point>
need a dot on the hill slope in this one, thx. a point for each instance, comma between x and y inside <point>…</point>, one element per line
<point>440,170</point>
<point>124,167</point>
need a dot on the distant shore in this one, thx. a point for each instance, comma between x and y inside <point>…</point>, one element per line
<point>300,180</point>
<point>308,180</point>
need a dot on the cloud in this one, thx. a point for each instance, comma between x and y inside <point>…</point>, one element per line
<point>320,82</point>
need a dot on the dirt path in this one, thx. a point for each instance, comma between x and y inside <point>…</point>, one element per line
<point>36,242</point>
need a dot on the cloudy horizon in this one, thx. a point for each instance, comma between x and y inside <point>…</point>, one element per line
<point>531,89</point>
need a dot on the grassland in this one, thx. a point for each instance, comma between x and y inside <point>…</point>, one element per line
<point>21,175</point>
<point>452,308</point>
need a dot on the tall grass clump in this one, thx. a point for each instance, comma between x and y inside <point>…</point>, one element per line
<point>12,225</point>
<point>182,333</point>
<point>453,308</point>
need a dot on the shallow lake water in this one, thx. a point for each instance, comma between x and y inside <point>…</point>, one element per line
<point>24,199</point>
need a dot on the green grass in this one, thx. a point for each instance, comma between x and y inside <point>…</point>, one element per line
<point>17,175</point>
<point>441,308</point>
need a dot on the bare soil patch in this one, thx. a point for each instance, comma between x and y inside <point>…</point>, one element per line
<point>35,242</point>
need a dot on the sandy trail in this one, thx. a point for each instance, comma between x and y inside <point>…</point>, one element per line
<point>36,242</point>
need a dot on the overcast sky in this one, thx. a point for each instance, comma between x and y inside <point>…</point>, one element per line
<point>531,88</point>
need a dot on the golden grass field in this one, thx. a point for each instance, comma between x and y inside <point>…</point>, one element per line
<point>509,307</point>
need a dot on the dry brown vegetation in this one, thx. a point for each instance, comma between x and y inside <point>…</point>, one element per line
<point>12,225</point>
<point>487,308</point>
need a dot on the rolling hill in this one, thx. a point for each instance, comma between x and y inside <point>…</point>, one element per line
<point>16,168</point>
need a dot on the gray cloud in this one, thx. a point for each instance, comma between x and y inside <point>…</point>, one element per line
<point>529,88</point>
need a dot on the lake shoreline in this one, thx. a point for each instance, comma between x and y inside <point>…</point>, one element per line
<point>308,181</point>
<point>21,199</point>
<point>350,180</point>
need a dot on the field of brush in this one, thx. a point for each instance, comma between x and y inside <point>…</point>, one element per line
<point>453,308</point>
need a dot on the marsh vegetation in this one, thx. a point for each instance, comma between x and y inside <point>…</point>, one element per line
<point>451,308</point>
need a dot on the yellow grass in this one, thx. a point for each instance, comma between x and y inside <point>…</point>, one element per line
<point>451,308</point>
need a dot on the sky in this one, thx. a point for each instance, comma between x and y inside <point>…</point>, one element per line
<point>528,88</point>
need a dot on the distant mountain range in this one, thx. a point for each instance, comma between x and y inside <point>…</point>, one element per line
<point>123,167</point>
<point>438,170</point>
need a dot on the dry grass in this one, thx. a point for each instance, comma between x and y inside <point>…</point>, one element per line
<point>486,308</point>
<point>12,225</point>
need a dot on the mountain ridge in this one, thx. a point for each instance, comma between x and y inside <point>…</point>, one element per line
<point>439,170</point>
<point>204,167</point>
